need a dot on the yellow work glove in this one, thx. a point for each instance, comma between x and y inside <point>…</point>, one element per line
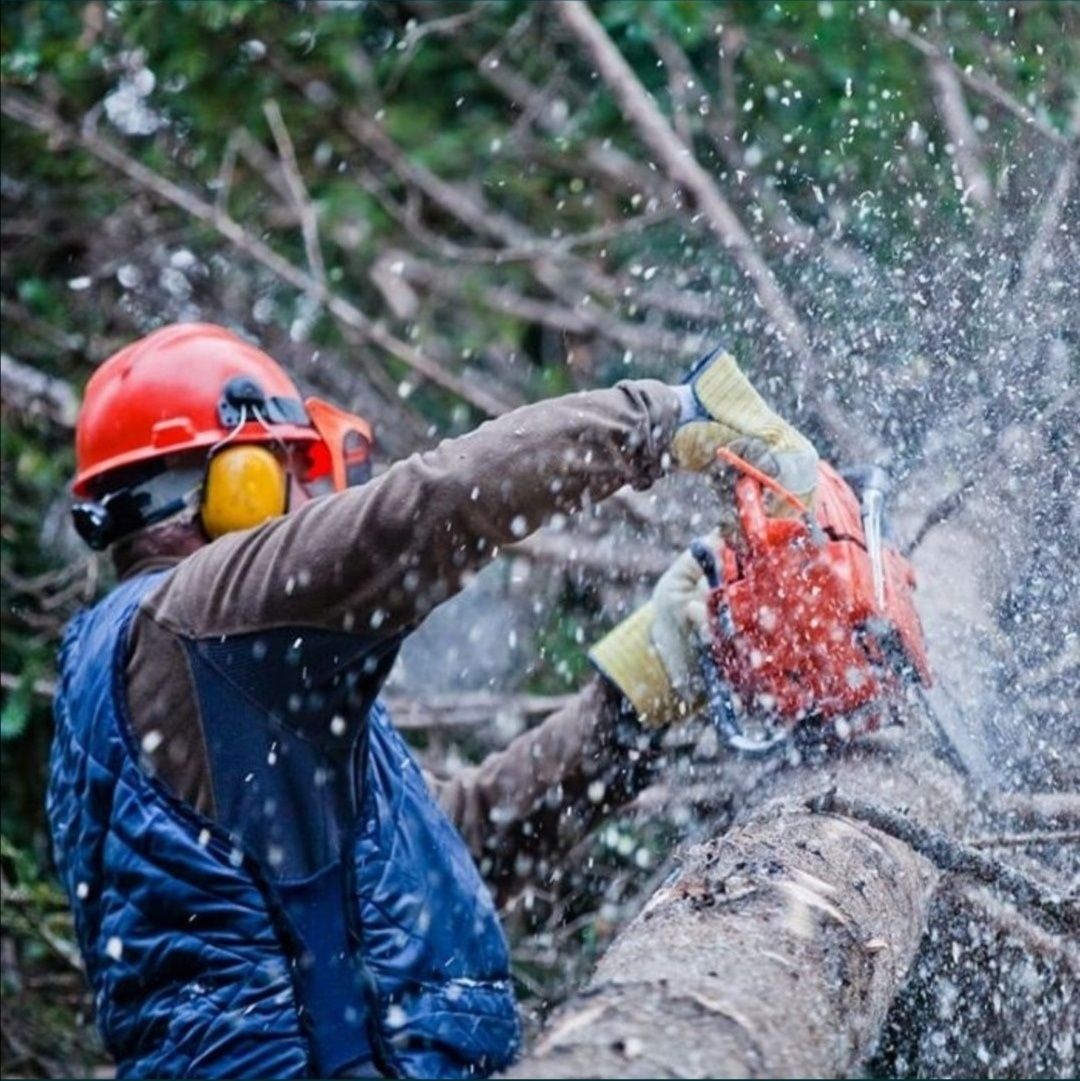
<point>722,409</point>
<point>654,655</point>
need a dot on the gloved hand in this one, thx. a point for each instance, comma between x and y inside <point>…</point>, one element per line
<point>653,656</point>
<point>722,409</point>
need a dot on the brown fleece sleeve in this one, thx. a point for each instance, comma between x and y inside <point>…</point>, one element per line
<point>375,560</point>
<point>523,806</point>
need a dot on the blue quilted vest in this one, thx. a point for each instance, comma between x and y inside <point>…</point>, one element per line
<point>209,958</point>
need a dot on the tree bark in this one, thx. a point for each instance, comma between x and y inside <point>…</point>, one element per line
<point>776,949</point>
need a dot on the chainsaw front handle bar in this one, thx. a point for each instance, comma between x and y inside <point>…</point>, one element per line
<point>773,485</point>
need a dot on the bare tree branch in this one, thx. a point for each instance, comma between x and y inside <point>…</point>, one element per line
<point>469,709</point>
<point>301,200</point>
<point>681,165</point>
<point>788,229</point>
<point>604,556</point>
<point>1036,257</point>
<point>416,32</point>
<point>989,456</point>
<point>961,131</point>
<point>448,282</point>
<point>42,119</point>
<point>977,81</point>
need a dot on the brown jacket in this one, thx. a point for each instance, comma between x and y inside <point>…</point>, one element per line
<point>371,562</point>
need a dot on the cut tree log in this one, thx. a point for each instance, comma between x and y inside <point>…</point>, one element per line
<point>776,949</point>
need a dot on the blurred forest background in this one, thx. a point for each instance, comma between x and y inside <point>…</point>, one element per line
<point>433,212</point>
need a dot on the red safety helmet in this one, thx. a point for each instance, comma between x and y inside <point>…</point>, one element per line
<point>192,387</point>
<point>170,392</point>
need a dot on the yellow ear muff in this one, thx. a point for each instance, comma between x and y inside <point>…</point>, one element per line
<point>245,485</point>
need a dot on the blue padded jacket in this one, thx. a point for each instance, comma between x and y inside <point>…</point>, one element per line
<point>207,961</point>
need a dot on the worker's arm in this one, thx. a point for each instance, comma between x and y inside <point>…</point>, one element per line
<point>523,806</point>
<point>373,561</point>
<point>530,802</point>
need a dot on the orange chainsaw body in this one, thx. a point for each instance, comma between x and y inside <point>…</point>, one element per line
<point>803,630</point>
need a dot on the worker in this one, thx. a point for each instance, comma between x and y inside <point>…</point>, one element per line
<point>263,881</point>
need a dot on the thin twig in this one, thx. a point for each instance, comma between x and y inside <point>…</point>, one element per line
<point>21,909</point>
<point>309,224</point>
<point>416,32</point>
<point>226,172</point>
<point>1026,840</point>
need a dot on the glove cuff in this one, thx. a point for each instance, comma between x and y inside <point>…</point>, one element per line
<point>626,657</point>
<point>727,396</point>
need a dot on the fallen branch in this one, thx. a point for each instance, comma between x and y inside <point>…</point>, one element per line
<point>33,393</point>
<point>469,709</point>
<point>950,855</point>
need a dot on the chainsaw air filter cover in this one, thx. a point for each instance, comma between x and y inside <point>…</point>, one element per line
<point>814,623</point>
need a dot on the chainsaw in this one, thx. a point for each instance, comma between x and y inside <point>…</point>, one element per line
<point>814,631</point>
